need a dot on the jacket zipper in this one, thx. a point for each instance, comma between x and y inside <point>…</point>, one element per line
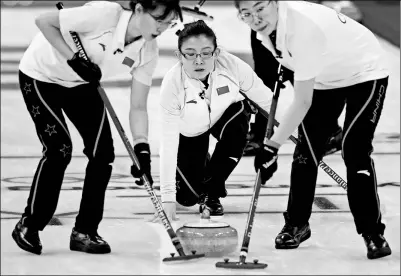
<point>207,105</point>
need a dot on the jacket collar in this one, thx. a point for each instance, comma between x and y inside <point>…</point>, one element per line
<point>121,30</point>
<point>219,69</point>
<point>281,30</point>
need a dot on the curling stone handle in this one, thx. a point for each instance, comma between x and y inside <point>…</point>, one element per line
<point>181,252</point>
<point>242,259</point>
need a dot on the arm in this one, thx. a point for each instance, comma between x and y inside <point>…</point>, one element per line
<point>253,86</point>
<point>308,48</point>
<point>138,118</point>
<point>138,115</point>
<point>80,19</point>
<point>49,25</point>
<point>170,116</point>
<point>141,82</point>
<point>168,154</point>
<point>295,112</point>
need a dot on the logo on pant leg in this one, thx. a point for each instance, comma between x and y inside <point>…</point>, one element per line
<point>301,159</point>
<point>66,150</point>
<point>27,88</point>
<point>378,102</point>
<point>35,110</point>
<point>51,130</point>
<point>364,172</point>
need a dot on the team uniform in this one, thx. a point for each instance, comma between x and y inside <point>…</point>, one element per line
<point>191,111</point>
<point>50,87</point>
<point>349,67</point>
<point>266,67</point>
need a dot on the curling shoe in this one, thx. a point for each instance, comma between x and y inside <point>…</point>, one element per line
<point>377,246</point>
<point>213,205</point>
<point>89,243</point>
<point>26,238</point>
<point>291,236</point>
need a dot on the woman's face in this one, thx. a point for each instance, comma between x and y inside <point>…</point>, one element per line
<point>148,24</point>
<point>261,16</point>
<point>198,55</point>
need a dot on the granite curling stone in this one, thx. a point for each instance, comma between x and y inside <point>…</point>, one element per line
<point>212,238</point>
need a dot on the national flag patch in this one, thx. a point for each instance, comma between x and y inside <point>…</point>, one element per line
<point>222,90</point>
<point>129,62</point>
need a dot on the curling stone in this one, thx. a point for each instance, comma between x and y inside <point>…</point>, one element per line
<point>213,238</point>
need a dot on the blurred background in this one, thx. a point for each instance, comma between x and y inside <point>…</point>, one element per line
<point>18,28</point>
<point>128,205</point>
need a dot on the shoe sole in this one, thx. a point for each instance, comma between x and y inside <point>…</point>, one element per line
<point>88,250</point>
<point>22,246</point>
<point>304,238</point>
<point>379,254</point>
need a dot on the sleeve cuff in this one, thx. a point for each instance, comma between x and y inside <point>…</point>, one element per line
<point>273,144</point>
<point>142,78</point>
<point>168,198</point>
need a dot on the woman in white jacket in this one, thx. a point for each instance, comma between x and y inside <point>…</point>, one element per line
<point>336,62</point>
<point>201,96</point>
<point>57,83</point>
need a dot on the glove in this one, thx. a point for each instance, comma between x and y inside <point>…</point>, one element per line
<point>266,160</point>
<point>170,208</point>
<point>142,152</point>
<point>87,70</point>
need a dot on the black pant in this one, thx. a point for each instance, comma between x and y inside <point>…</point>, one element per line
<point>364,103</point>
<point>85,109</point>
<point>208,175</point>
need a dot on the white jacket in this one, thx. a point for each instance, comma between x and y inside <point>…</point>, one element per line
<point>101,26</point>
<point>184,111</point>
<point>317,42</point>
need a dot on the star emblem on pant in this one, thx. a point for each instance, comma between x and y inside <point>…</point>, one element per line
<point>302,160</point>
<point>27,88</point>
<point>35,110</point>
<point>66,150</point>
<point>51,130</point>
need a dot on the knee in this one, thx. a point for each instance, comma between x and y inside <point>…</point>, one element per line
<point>236,131</point>
<point>59,154</point>
<point>236,121</point>
<point>104,155</point>
<point>355,159</point>
<point>185,195</point>
<point>302,157</point>
<point>186,199</point>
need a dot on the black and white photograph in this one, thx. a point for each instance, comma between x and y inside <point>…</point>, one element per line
<point>200,137</point>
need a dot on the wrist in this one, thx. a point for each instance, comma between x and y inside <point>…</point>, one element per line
<point>272,143</point>
<point>71,55</point>
<point>140,139</point>
<point>142,148</point>
<point>165,198</point>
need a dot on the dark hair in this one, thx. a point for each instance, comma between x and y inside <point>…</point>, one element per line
<point>196,28</point>
<point>150,5</point>
<point>238,2</point>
